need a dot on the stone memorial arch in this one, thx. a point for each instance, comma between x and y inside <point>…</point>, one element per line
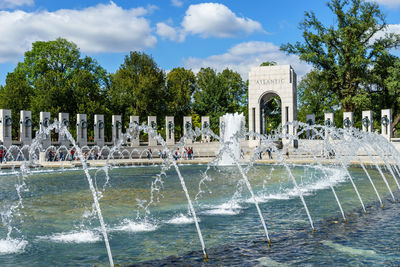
<point>265,83</point>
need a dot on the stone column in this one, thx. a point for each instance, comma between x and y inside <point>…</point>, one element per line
<point>116,128</point>
<point>221,127</point>
<point>5,127</point>
<point>43,124</point>
<point>367,121</point>
<point>25,127</point>
<point>81,129</point>
<point>205,124</point>
<point>386,123</point>
<point>328,121</point>
<point>63,119</point>
<point>347,120</point>
<point>243,127</point>
<point>135,135</point>
<point>99,129</point>
<point>152,122</point>
<point>187,127</point>
<point>169,130</point>
<point>310,120</point>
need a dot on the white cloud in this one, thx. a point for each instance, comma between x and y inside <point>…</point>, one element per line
<point>391,28</point>
<point>176,3</point>
<point>209,20</point>
<point>217,20</point>
<point>101,28</point>
<point>389,3</point>
<point>394,28</point>
<point>168,32</point>
<point>242,57</point>
<point>15,3</point>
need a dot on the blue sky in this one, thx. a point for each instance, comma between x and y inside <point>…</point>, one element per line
<point>192,34</point>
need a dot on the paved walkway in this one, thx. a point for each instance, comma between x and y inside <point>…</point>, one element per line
<point>157,161</point>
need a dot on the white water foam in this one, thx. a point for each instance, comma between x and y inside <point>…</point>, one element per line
<point>265,261</point>
<point>335,176</point>
<point>131,226</point>
<point>228,208</point>
<point>11,246</point>
<point>232,125</point>
<point>85,236</point>
<point>181,219</point>
<point>350,250</point>
<point>263,199</point>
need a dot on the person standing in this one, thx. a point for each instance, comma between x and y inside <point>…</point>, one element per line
<point>269,153</point>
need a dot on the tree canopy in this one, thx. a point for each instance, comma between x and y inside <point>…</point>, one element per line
<point>54,77</point>
<point>345,53</point>
<point>218,93</point>
<point>268,63</point>
<point>138,87</point>
<point>315,97</point>
<point>181,84</point>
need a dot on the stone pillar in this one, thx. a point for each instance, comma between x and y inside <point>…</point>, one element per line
<point>99,129</point>
<point>386,123</point>
<point>81,129</point>
<point>328,121</point>
<point>169,130</point>
<point>135,135</point>
<point>5,127</point>
<point>367,121</point>
<point>205,124</point>
<point>116,128</point>
<point>152,122</point>
<point>347,120</point>
<point>310,120</point>
<point>244,128</point>
<point>187,127</point>
<point>63,119</point>
<point>221,127</point>
<point>43,124</point>
<point>25,127</point>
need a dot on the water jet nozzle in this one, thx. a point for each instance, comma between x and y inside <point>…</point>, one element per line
<point>314,230</point>
<point>345,220</point>
<point>205,256</point>
<point>269,242</point>
<point>383,207</point>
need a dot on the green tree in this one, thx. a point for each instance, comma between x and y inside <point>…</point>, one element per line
<point>54,77</point>
<point>392,83</point>
<point>15,95</point>
<point>315,97</point>
<point>218,93</point>
<point>181,84</point>
<point>345,52</point>
<point>138,87</point>
<point>235,89</point>
<point>268,63</point>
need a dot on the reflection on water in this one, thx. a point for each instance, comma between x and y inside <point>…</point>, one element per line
<point>60,226</point>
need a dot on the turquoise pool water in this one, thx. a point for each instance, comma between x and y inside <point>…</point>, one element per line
<point>57,227</point>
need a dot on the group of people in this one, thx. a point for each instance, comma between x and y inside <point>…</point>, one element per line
<point>71,155</point>
<point>3,156</point>
<point>268,150</point>
<point>187,153</point>
<point>53,156</point>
